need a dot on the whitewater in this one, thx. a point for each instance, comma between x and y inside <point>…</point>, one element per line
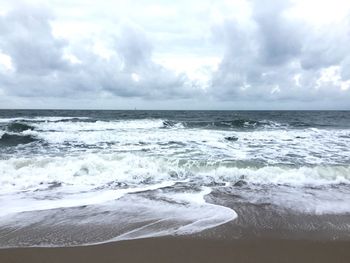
<point>142,174</point>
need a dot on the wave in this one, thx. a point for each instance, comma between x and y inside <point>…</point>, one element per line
<point>94,124</point>
<point>78,125</point>
<point>18,127</point>
<point>8,139</point>
<point>99,170</point>
<point>80,199</point>
<point>300,124</point>
<point>225,124</point>
<point>170,124</point>
<point>43,119</point>
<point>147,214</point>
<point>166,138</point>
<point>101,124</point>
<point>148,196</point>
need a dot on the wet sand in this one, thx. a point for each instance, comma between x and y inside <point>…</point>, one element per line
<point>262,233</point>
<point>182,249</point>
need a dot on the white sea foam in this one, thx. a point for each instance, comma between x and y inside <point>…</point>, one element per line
<point>99,125</point>
<point>40,183</point>
<point>89,171</point>
<point>333,199</point>
<point>131,165</point>
<point>96,170</point>
<point>179,219</point>
<point>130,217</point>
<point>197,197</point>
<point>308,146</point>
<point>274,175</point>
<point>25,202</point>
<point>41,119</point>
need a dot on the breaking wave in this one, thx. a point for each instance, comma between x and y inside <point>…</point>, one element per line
<point>146,174</point>
<point>7,139</point>
<point>19,127</point>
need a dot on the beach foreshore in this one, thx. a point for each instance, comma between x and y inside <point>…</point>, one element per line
<point>185,249</point>
<point>260,234</point>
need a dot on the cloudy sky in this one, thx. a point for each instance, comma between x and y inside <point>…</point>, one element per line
<point>184,54</point>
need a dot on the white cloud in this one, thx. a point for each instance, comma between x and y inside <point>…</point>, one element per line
<point>216,54</point>
<point>6,63</point>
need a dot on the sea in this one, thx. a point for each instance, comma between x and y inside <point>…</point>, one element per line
<point>78,177</point>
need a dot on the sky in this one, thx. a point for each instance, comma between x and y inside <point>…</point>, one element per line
<point>184,54</point>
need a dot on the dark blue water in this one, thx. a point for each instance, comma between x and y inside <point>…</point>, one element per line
<point>17,121</point>
<point>294,119</point>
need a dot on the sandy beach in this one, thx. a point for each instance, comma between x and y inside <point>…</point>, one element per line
<point>188,250</point>
<point>260,234</point>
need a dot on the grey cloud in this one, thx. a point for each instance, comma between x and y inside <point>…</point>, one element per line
<point>279,39</point>
<point>134,48</point>
<point>42,70</point>
<point>345,69</point>
<point>26,37</point>
<point>326,48</point>
<point>269,59</point>
<point>278,58</point>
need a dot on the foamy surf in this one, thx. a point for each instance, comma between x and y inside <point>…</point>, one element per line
<point>76,178</point>
<point>139,213</point>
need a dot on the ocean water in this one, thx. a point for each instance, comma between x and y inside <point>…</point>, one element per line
<point>85,177</point>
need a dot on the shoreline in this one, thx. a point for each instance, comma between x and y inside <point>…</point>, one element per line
<point>261,233</point>
<point>188,249</point>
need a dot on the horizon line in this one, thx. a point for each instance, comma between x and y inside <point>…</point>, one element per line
<point>70,109</point>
